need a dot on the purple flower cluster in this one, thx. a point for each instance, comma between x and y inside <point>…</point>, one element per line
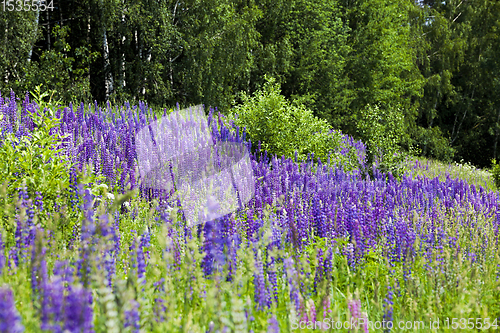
<point>294,204</point>
<point>293,284</point>
<point>132,317</point>
<point>10,320</point>
<point>262,297</point>
<point>274,326</point>
<point>66,311</point>
<point>388,306</point>
<point>354,307</point>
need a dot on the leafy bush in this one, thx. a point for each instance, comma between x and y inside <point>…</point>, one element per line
<point>495,171</point>
<point>60,71</point>
<point>383,131</point>
<point>35,161</point>
<point>433,144</point>
<point>289,129</point>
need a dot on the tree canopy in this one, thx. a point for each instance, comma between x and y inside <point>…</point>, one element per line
<point>432,64</point>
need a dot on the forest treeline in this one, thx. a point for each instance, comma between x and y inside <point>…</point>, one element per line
<point>434,66</point>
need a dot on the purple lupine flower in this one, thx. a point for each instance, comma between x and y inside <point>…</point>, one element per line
<point>273,325</point>
<point>159,303</point>
<point>18,235</point>
<point>350,254</point>
<point>327,263</point>
<point>145,243</point>
<point>116,234</point>
<point>64,270</point>
<point>73,187</point>
<point>30,227</point>
<point>133,317</point>
<point>326,307</point>
<point>388,306</point>
<point>355,310</point>
<point>262,298</point>
<point>273,280</point>
<point>133,250</point>
<point>78,311</point>
<point>10,320</point>
<point>38,201</point>
<point>311,311</point>
<point>291,274</point>
<point>52,305</point>
<point>39,275</point>
<point>319,270</point>
<point>13,109</point>
<point>88,224</point>
<point>88,228</point>
<point>141,261</point>
<point>209,247</point>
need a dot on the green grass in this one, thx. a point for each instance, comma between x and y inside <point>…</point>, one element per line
<point>465,171</point>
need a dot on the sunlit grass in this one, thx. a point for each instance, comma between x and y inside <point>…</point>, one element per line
<point>464,171</point>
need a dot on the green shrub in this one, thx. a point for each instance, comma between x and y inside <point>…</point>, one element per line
<point>36,162</point>
<point>383,132</point>
<point>495,171</point>
<point>433,144</point>
<point>284,128</point>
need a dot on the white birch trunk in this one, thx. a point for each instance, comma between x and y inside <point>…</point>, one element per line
<point>48,30</point>
<point>108,78</point>
<point>88,43</point>
<point>37,19</point>
<point>123,83</point>
<point>6,72</point>
<point>145,79</point>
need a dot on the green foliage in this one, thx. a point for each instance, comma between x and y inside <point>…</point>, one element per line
<point>431,142</point>
<point>38,161</point>
<point>18,34</point>
<point>284,128</point>
<point>303,45</point>
<point>381,64</point>
<point>383,131</point>
<point>435,61</point>
<point>431,168</point>
<point>219,39</point>
<point>495,172</point>
<point>58,72</point>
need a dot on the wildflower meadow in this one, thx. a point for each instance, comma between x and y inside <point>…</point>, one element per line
<point>89,243</point>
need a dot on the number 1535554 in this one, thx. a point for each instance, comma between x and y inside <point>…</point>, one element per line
<point>26,5</point>
<point>471,323</point>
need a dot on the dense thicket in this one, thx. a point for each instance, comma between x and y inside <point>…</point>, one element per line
<point>433,64</point>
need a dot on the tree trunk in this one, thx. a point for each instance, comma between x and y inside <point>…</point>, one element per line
<point>107,69</point>
<point>88,41</point>
<point>148,59</point>
<point>453,138</point>
<point>108,77</point>
<point>48,30</point>
<point>37,19</point>
<point>123,49</point>
<point>6,73</point>
<point>170,60</point>
<point>60,14</point>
